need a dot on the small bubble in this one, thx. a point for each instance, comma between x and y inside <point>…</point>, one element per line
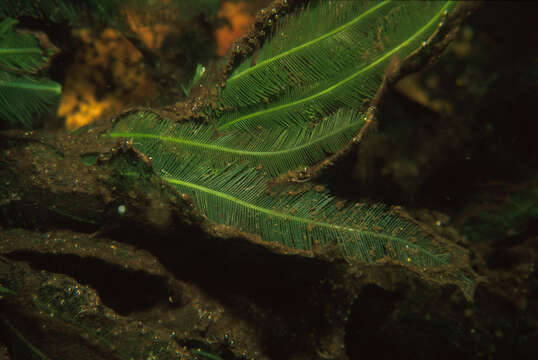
<point>122,209</point>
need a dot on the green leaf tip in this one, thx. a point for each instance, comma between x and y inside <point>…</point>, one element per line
<point>198,72</point>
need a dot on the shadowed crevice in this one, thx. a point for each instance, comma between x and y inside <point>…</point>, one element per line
<point>124,291</point>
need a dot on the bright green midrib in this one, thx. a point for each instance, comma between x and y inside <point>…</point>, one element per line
<point>342,82</point>
<point>291,217</point>
<point>10,51</point>
<point>227,149</point>
<point>32,86</point>
<point>313,41</point>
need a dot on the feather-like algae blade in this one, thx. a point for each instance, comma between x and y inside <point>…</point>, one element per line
<point>394,30</point>
<point>22,98</point>
<point>236,195</point>
<point>273,151</point>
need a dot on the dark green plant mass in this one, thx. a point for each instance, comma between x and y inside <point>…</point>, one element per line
<point>24,92</point>
<point>288,110</point>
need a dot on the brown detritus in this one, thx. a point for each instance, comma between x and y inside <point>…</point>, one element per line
<point>68,318</point>
<point>83,245</point>
<point>53,184</point>
<point>228,318</point>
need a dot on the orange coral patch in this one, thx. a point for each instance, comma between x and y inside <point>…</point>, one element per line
<point>106,76</point>
<point>239,20</point>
